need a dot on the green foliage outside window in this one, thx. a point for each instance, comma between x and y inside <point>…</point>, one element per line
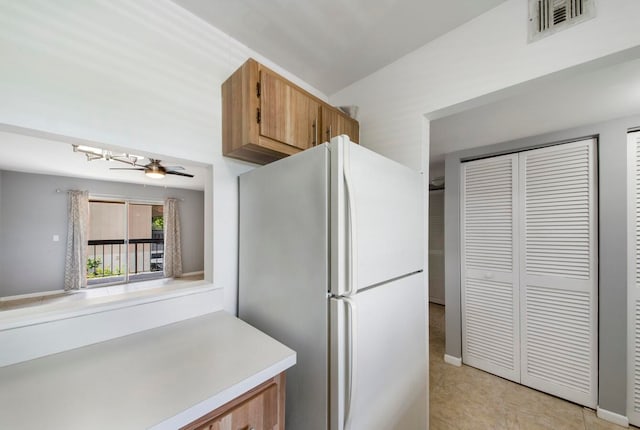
<point>157,223</point>
<point>92,266</point>
<point>95,271</point>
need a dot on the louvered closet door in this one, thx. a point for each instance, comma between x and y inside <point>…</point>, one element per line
<point>558,272</point>
<point>633,310</point>
<point>490,323</point>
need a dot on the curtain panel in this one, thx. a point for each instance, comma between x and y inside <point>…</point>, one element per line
<point>77,237</point>
<point>172,241</point>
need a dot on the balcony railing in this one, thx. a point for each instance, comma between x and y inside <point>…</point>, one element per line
<point>107,260</point>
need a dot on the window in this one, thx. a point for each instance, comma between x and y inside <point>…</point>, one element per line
<point>126,242</point>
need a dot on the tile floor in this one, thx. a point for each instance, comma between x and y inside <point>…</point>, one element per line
<point>467,398</point>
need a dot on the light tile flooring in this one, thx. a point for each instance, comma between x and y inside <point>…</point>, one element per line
<point>467,398</point>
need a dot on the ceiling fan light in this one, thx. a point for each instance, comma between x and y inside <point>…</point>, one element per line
<point>155,174</point>
<point>155,170</point>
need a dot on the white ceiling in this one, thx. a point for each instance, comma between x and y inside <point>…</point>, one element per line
<point>588,97</point>
<point>36,152</point>
<point>332,43</point>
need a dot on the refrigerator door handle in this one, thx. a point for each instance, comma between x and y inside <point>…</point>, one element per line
<point>352,249</point>
<point>352,340</point>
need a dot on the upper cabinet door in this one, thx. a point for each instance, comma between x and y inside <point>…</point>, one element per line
<point>287,114</point>
<point>352,129</point>
<point>335,123</point>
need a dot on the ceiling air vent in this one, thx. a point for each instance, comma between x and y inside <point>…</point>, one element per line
<point>547,17</point>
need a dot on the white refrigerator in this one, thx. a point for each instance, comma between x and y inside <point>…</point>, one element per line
<point>331,264</point>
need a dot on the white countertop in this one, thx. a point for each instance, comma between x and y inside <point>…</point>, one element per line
<point>161,378</point>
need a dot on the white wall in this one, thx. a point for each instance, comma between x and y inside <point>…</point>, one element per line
<point>487,54</point>
<point>141,74</point>
<point>482,60</point>
<point>146,75</point>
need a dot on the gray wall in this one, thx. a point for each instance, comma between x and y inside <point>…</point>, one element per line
<point>436,246</point>
<point>1,232</point>
<point>31,212</point>
<point>612,184</point>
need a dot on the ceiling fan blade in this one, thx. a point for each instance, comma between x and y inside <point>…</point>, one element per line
<point>171,172</point>
<point>126,168</point>
<point>174,167</point>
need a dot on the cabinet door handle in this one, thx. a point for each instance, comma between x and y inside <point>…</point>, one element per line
<point>329,134</point>
<point>315,136</point>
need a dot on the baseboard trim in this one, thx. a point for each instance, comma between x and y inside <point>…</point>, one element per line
<point>454,361</point>
<point>30,295</point>
<point>612,417</point>
<point>436,300</point>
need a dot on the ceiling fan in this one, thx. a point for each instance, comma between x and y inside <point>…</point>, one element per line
<point>156,170</point>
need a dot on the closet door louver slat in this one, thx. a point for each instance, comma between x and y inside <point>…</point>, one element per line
<point>633,309</point>
<point>558,271</point>
<point>489,255</point>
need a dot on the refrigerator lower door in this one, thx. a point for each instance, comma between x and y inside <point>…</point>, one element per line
<point>379,358</point>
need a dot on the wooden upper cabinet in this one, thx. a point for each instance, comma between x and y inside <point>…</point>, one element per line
<point>265,117</point>
<point>334,123</point>
<point>287,114</point>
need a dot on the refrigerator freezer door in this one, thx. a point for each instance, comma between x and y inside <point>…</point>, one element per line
<point>379,360</point>
<point>283,272</point>
<point>376,218</point>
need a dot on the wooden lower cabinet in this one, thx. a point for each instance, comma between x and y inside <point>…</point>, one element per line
<point>259,409</point>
